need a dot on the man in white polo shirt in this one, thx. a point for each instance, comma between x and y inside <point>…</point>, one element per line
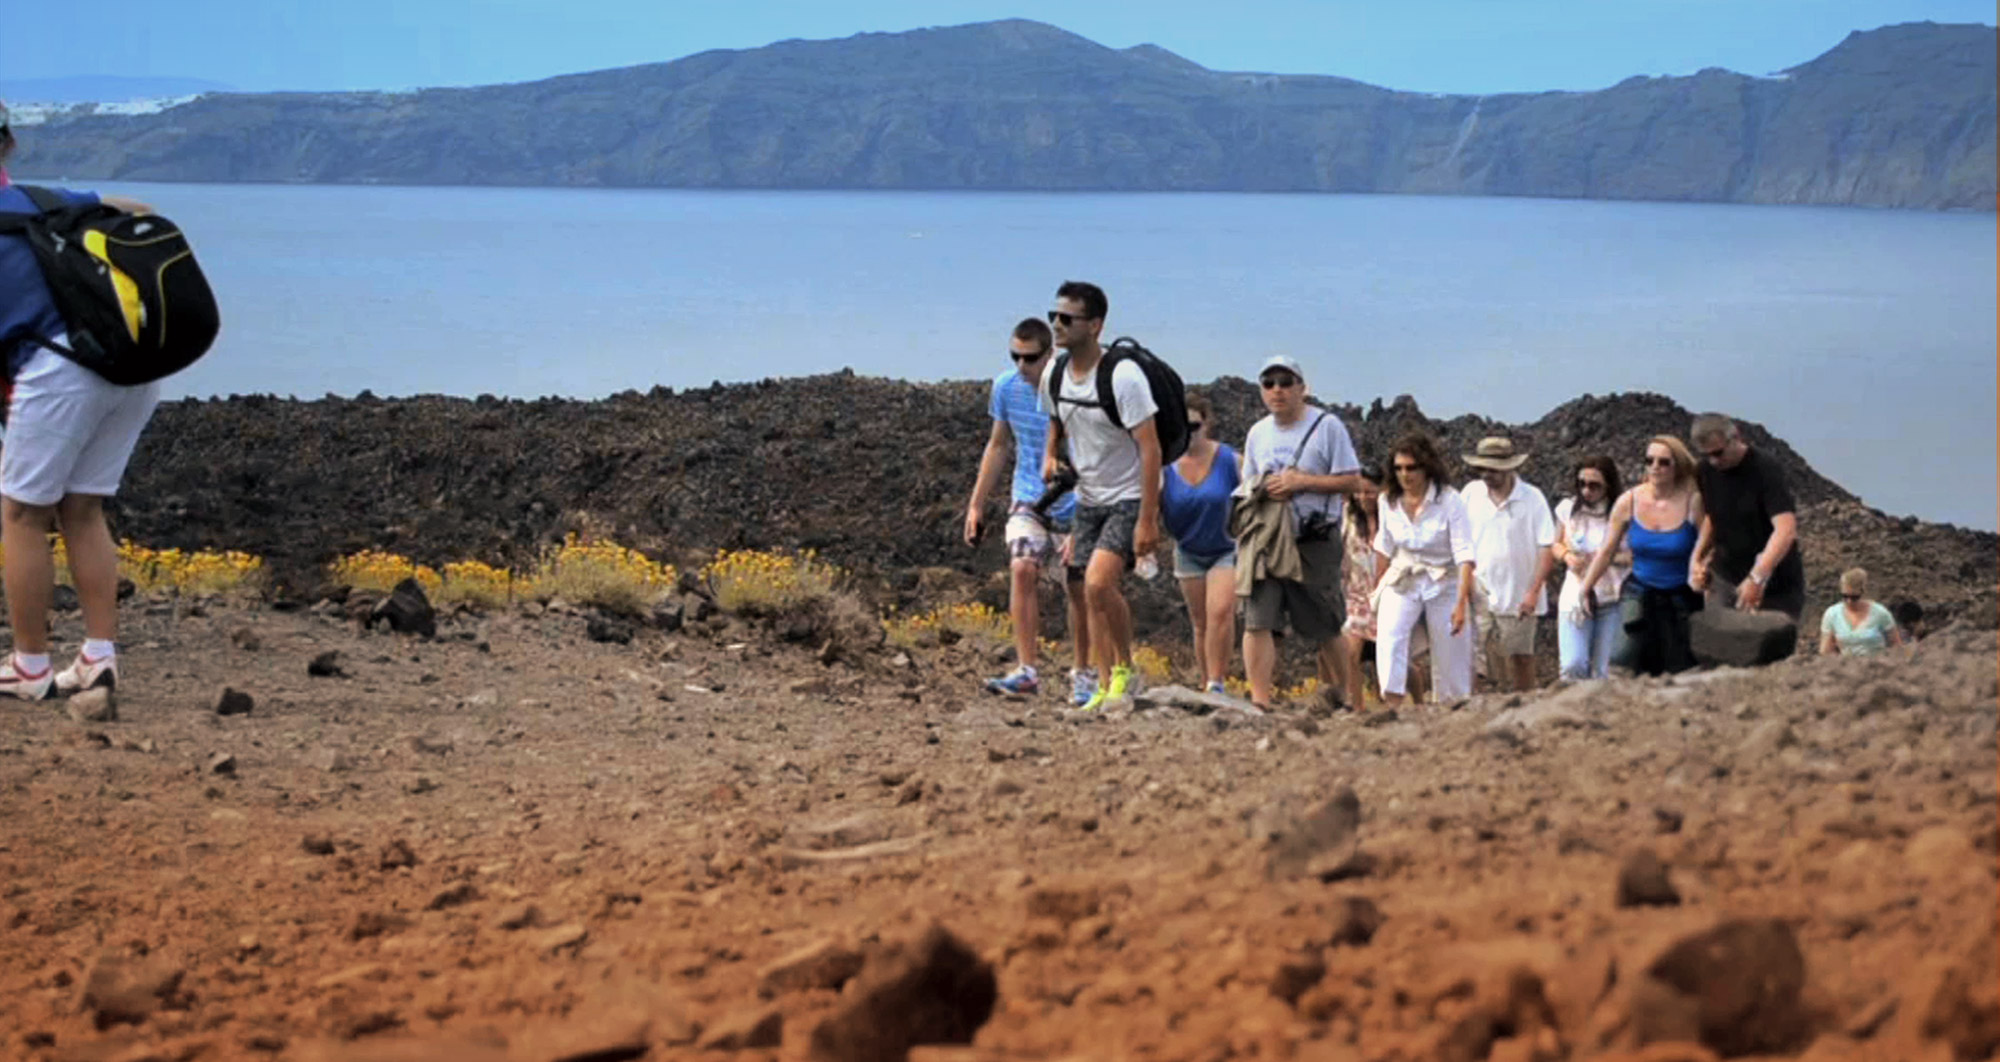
<point>1512,532</point>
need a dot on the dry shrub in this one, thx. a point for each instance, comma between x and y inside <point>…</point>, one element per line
<point>600,573</point>
<point>756,582</point>
<point>1152,665</point>
<point>946,624</point>
<point>192,572</point>
<point>380,572</point>
<point>477,584</point>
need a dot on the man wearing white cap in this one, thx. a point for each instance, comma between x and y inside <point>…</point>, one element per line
<point>1307,458</point>
<point>1512,535</point>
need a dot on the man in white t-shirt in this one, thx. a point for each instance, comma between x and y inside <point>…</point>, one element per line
<point>1117,473</point>
<point>1512,535</point>
<point>1309,458</point>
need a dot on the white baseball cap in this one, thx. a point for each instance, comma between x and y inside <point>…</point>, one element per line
<point>1282,361</point>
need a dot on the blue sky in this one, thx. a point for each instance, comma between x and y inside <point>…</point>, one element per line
<point>1475,46</point>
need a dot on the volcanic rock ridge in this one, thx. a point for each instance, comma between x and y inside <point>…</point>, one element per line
<point>871,473</point>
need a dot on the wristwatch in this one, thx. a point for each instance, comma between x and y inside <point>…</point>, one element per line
<point>1758,579</point>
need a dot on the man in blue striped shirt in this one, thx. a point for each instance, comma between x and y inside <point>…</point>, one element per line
<point>1034,539</point>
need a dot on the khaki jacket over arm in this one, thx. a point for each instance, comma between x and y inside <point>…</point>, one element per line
<point>1266,536</point>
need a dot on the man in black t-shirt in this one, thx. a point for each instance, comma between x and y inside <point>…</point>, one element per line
<point>1745,558</point>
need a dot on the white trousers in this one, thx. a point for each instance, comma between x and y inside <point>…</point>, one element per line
<point>1430,602</point>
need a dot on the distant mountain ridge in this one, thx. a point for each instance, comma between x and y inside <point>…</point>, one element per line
<point>1902,116</point>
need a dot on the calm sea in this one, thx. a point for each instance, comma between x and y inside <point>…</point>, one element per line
<point>1866,338</point>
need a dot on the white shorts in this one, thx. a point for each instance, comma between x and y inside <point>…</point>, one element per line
<point>68,431</point>
<point>1030,536</point>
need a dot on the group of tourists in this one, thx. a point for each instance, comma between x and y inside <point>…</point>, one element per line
<point>1391,563</point>
<point>1291,533</point>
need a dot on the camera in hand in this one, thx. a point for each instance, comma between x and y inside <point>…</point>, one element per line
<point>1063,482</point>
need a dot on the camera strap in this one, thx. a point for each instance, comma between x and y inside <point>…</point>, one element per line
<point>1326,504</point>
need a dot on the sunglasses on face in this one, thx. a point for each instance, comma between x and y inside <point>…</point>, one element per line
<point>1590,484</point>
<point>1197,425</point>
<point>1065,319</point>
<point>1850,597</point>
<point>1278,380</point>
<point>1401,468</point>
<point>1027,359</point>
<point>1659,462</point>
<point>1714,456</point>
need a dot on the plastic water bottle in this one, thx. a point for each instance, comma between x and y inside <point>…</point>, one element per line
<point>1148,566</point>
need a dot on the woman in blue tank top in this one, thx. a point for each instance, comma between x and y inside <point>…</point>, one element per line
<point>1194,504</point>
<point>1660,519</point>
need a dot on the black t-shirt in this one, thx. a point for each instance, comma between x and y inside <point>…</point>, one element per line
<point>1741,501</point>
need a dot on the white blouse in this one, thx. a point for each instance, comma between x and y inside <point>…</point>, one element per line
<point>1586,533</point>
<point>1440,536</point>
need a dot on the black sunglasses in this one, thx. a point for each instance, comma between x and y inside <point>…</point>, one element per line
<point>1027,359</point>
<point>1590,484</point>
<point>1065,319</point>
<point>1850,597</point>
<point>1659,462</point>
<point>1279,379</point>
<point>1197,425</point>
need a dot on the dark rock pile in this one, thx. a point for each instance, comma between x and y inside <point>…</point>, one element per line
<point>872,473</point>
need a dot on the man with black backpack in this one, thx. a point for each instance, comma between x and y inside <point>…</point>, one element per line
<point>68,435</point>
<point>1038,518</point>
<point>1103,404</point>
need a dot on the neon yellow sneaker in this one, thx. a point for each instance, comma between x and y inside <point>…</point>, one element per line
<point>1096,701</point>
<point>1121,683</point>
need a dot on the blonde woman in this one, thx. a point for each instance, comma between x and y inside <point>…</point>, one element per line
<point>1856,625</point>
<point>1660,520</point>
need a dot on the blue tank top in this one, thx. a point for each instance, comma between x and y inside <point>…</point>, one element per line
<point>1660,558</point>
<point>1198,516</point>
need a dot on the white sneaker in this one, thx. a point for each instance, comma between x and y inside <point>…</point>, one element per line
<point>86,673</point>
<point>13,683</point>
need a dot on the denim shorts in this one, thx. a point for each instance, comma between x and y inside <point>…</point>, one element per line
<point>1195,565</point>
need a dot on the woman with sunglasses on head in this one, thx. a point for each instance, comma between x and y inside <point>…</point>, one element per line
<point>1583,526</point>
<point>1423,546</point>
<point>1659,519</point>
<point>1856,625</point>
<point>1194,505</point>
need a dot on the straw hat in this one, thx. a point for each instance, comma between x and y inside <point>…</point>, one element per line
<point>1497,453</point>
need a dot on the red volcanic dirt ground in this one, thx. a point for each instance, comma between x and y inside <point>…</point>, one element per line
<point>514,843</point>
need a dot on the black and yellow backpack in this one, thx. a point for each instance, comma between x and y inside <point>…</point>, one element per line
<point>136,305</point>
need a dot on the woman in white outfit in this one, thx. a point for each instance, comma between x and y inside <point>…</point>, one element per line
<point>1422,535</point>
<point>1583,525</point>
